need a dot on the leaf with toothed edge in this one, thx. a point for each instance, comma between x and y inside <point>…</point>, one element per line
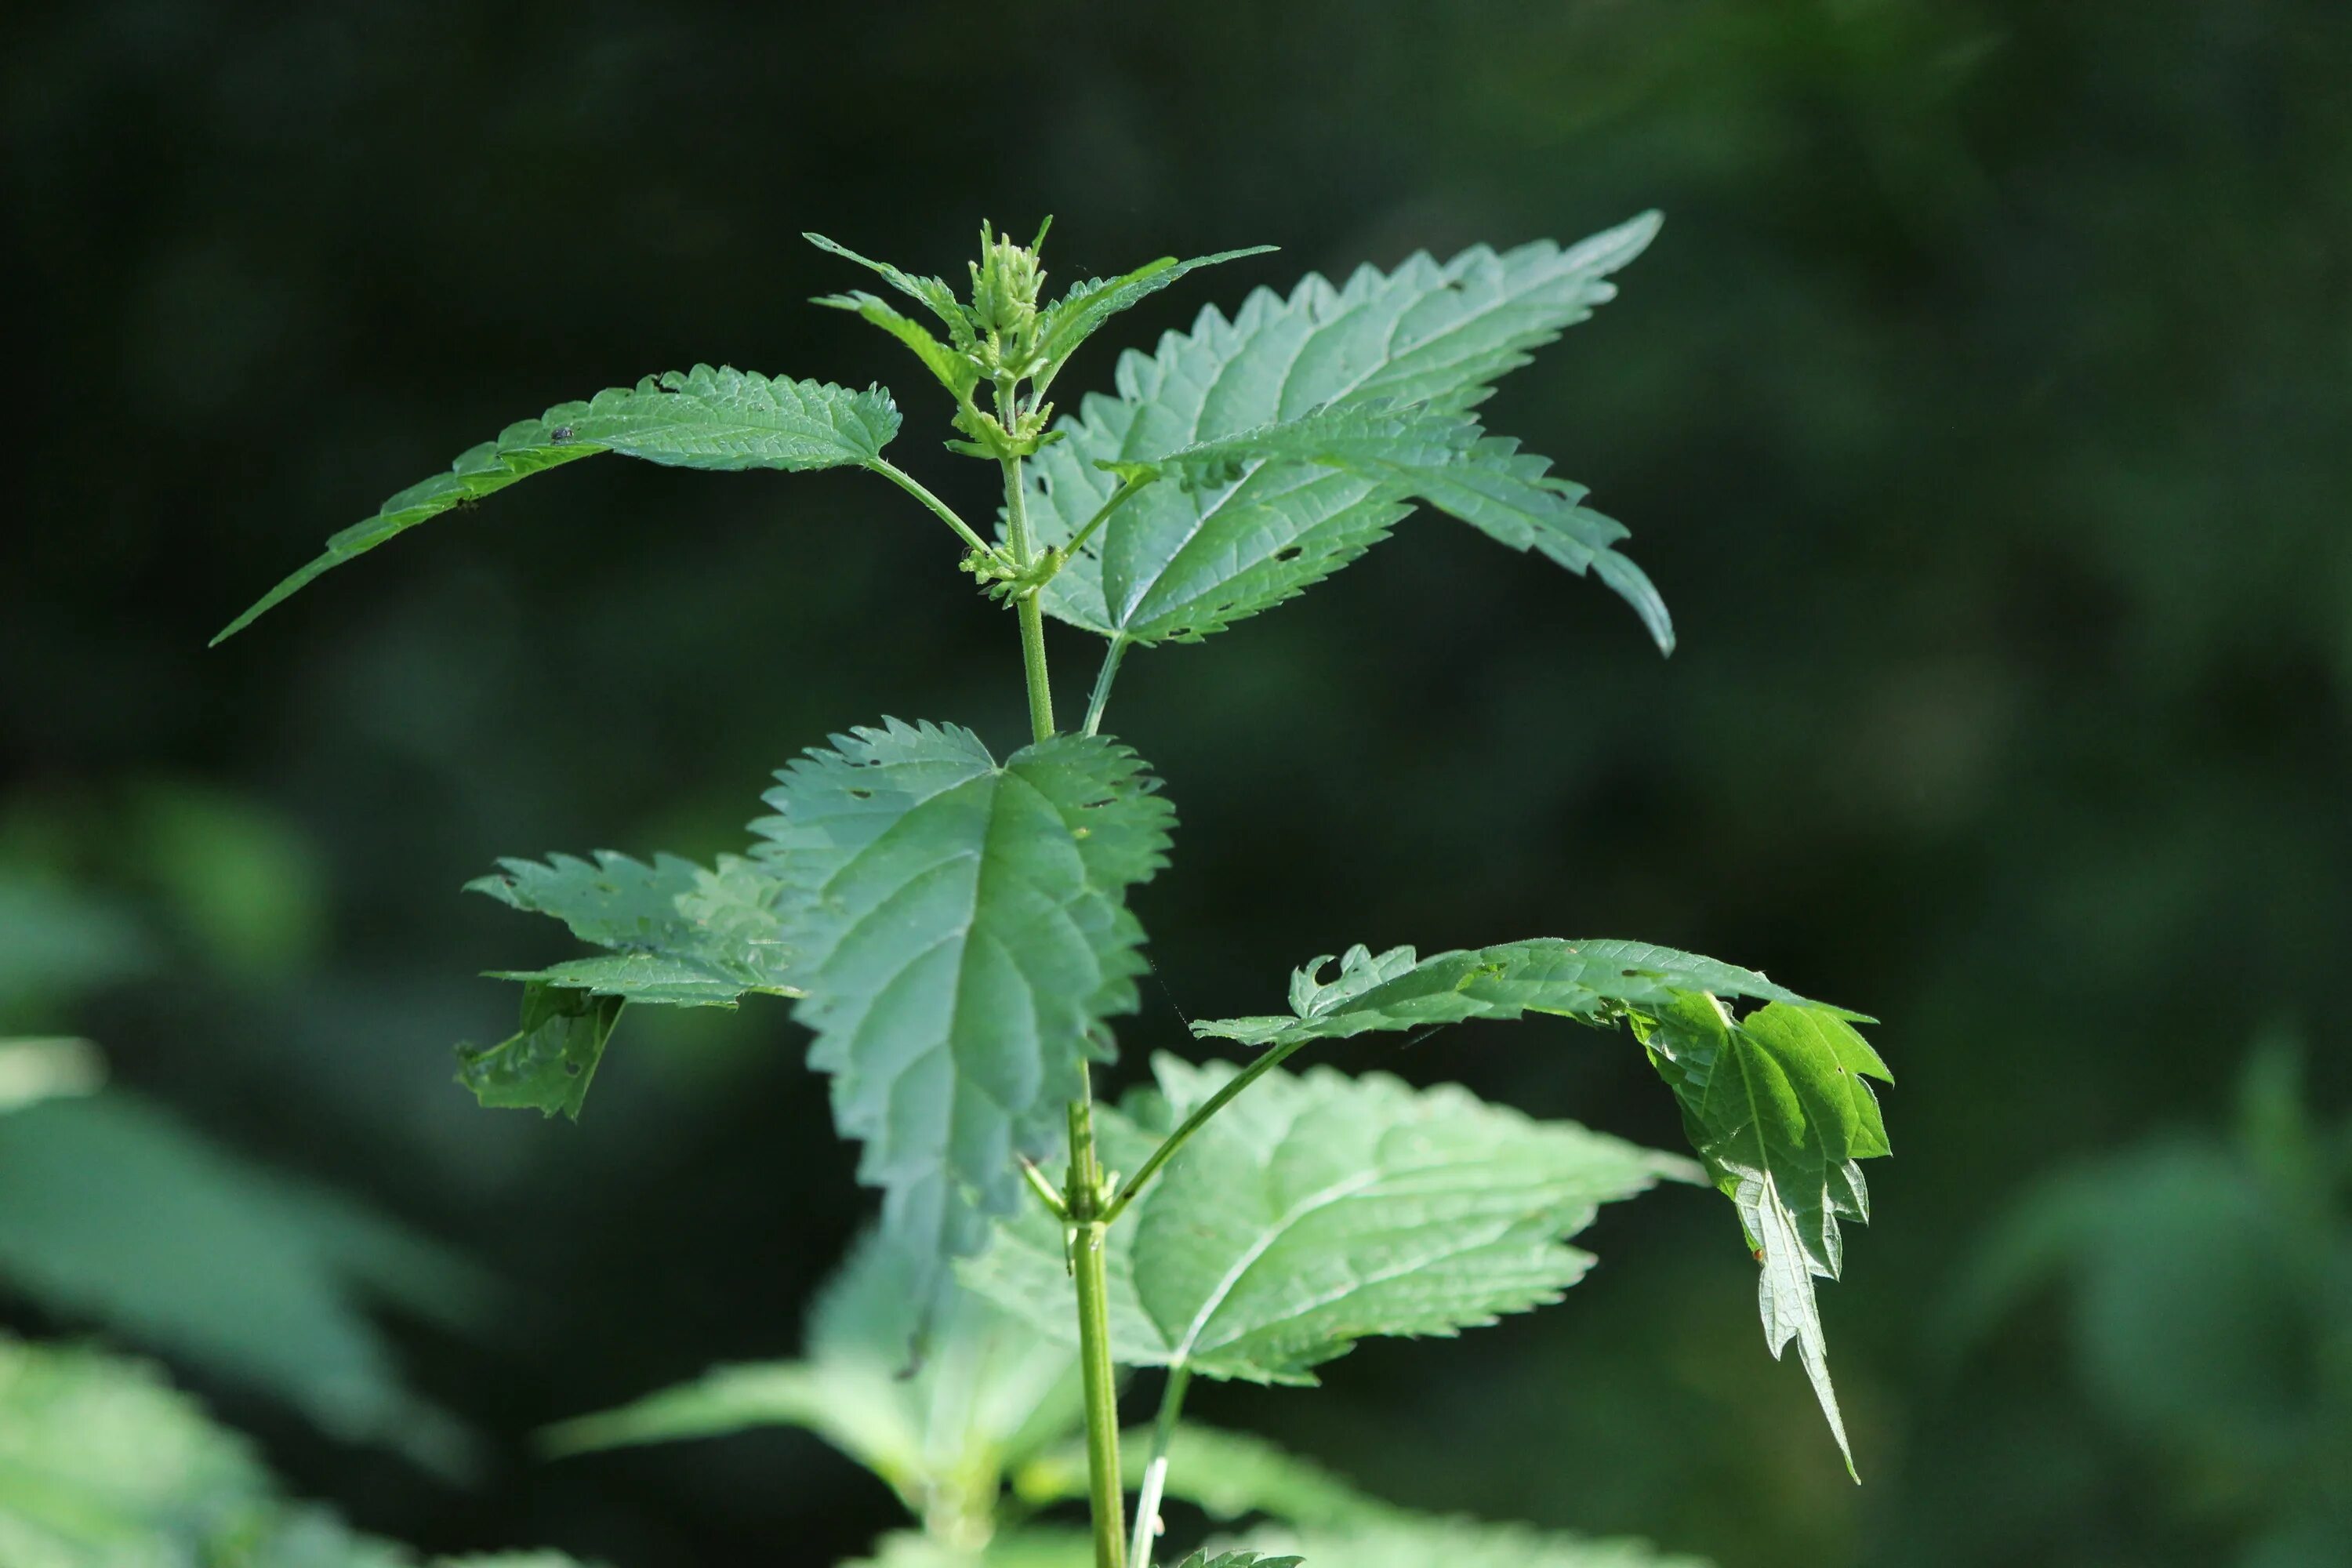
<point>701,418</point>
<point>1777,1104</point>
<point>548,1063</point>
<point>961,934</point>
<point>1177,566</point>
<point>1315,1210</point>
<point>679,934</point>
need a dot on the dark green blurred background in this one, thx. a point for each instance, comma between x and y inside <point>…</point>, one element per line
<point>1984,413</point>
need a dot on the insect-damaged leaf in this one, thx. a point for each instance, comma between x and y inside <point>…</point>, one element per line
<point>701,418</point>
<point>1315,1210</point>
<point>547,1064</point>
<point>960,930</point>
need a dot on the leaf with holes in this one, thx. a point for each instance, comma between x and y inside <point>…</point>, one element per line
<point>550,1060</point>
<point>1315,1210</point>
<point>961,932</point>
<point>1178,564</point>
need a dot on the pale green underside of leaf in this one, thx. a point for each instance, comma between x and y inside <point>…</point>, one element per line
<point>961,934</point>
<point>1229,1476</point>
<point>990,1392</point>
<point>113,1213</point>
<point>1775,1104</point>
<point>679,934</point>
<point>702,418</point>
<point>1177,566</point>
<point>1315,1210</point>
<point>1426,1542</point>
<point>1444,459</point>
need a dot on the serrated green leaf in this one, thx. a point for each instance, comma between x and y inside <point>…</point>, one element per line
<point>1069,321</point>
<point>1177,566</point>
<point>1315,1210</point>
<point>1239,1560</point>
<point>1776,1104</point>
<point>1227,1474</point>
<point>1590,980</point>
<point>989,1392</point>
<point>112,1212</point>
<point>548,1063</point>
<point>1444,459</point>
<point>1421,1541</point>
<point>701,418</point>
<point>933,294</point>
<point>956,370</point>
<point>681,935</point>
<point>963,933</point>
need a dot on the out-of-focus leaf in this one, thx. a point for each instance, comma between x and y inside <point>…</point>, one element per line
<point>1227,1474</point>
<point>32,1070</point>
<point>1424,1542</point>
<point>110,1211</point>
<point>989,1394</point>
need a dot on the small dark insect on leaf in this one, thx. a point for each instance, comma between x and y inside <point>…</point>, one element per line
<point>560,435</point>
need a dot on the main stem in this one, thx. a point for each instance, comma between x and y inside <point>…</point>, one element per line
<point>1032,615</point>
<point>1090,1267</point>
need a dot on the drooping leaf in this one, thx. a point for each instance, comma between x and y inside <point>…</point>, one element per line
<point>1420,1541</point>
<point>1590,980</point>
<point>679,934</point>
<point>1177,564</point>
<point>1315,1210</point>
<point>961,934</point>
<point>111,1212</point>
<point>1227,1474</point>
<point>989,1394</point>
<point>1444,459</point>
<point>1775,1104</point>
<point>1070,320</point>
<point>548,1063</point>
<point>701,418</point>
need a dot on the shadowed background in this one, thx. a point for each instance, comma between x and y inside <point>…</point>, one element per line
<point>1981,412</point>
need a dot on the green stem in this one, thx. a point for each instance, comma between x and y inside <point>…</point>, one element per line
<point>1155,1469</point>
<point>1090,1267</point>
<point>1032,614</point>
<point>1103,678</point>
<point>907,482</point>
<point>1266,1062</point>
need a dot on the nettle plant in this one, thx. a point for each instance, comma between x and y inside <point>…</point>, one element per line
<point>954,931</point>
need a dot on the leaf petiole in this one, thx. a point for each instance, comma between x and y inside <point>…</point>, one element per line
<point>1268,1060</point>
<point>946,513</point>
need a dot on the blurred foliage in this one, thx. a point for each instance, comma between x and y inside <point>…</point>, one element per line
<point>1979,410</point>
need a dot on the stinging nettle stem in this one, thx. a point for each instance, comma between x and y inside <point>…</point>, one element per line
<point>1089,1267</point>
